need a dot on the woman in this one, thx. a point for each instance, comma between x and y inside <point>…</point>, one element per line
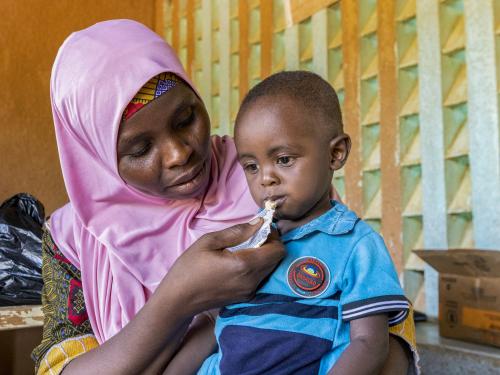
<point>145,182</point>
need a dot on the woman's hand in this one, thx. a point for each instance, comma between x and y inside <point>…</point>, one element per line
<point>209,275</point>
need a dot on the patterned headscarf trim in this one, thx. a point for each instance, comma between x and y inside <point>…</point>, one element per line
<point>154,88</point>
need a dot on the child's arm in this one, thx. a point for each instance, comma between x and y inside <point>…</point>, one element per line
<point>367,352</point>
<point>198,344</point>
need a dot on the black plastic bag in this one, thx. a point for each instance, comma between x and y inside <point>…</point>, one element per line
<point>21,222</point>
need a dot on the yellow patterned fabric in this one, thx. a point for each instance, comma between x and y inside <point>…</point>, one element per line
<point>406,331</point>
<point>61,354</point>
<point>63,304</point>
<point>154,88</point>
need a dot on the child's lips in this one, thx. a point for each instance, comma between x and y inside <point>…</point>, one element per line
<point>278,199</point>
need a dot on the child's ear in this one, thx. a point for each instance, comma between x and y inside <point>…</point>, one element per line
<point>340,146</point>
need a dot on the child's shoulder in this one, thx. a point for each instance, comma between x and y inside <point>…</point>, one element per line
<point>354,232</point>
<point>366,245</point>
<point>348,222</point>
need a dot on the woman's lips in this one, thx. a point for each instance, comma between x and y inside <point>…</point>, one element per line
<point>188,178</point>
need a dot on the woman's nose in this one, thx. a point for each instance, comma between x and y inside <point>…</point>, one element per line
<point>175,153</point>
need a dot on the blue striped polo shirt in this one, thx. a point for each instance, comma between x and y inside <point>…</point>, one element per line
<point>336,269</point>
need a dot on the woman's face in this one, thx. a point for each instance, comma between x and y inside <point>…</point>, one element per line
<point>164,148</point>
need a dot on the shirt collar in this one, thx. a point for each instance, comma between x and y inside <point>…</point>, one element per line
<point>338,220</point>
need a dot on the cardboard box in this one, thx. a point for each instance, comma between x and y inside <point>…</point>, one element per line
<point>469,293</point>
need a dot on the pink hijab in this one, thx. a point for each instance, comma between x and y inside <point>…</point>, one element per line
<point>123,241</point>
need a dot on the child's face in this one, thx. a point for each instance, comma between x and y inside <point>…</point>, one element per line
<point>286,157</point>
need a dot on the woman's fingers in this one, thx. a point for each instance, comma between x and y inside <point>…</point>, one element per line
<point>212,277</point>
<point>231,236</point>
<point>274,235</point>
<point>256,263</point>
<point>263,259</point>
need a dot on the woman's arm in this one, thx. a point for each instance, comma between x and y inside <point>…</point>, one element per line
<point>402,358</point>
<point>204,277</point>
<point>398,360</point>
<point>368,349</point>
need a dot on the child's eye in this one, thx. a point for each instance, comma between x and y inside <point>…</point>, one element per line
<point>250,168</point>
<point>285,161</point>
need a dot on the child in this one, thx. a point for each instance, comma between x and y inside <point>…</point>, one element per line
<point>326,307</point>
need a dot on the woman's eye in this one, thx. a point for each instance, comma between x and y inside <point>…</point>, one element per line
<point>186,118</point>
<point>251,168</point>
<point>285,160</point>
<point>143,150</point>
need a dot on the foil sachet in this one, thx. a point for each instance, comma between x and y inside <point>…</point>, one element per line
<point>258,239</point>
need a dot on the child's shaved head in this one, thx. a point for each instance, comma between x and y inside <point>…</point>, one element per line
<point>307,89</point>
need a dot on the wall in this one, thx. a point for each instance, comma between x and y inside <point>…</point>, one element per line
<point>31,33</point>
<point>418,82</point>
<point>17,345</point>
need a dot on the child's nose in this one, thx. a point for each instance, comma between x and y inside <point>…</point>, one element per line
<point>175,153</point>
<point>268,177</point>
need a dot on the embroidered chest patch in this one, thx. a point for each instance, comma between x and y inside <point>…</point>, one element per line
<point>308,277</point>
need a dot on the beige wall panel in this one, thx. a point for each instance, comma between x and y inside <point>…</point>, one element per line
<point>350,49</point>
<point>389,150</point>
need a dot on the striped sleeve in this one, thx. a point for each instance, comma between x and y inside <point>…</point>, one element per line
<point>371,284</point>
